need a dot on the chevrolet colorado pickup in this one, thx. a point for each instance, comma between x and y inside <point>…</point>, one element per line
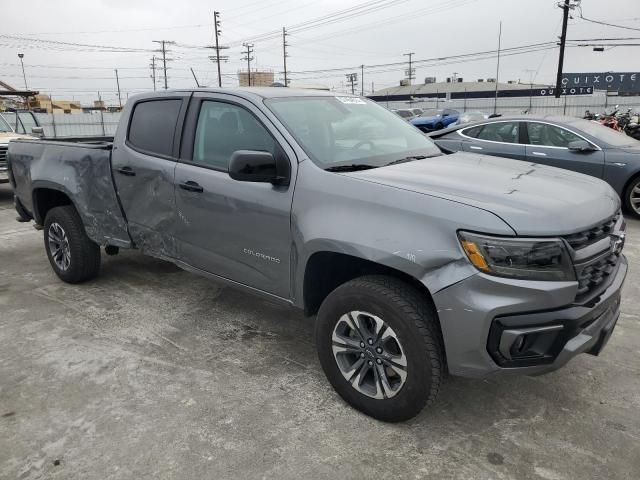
<point>415,264</point>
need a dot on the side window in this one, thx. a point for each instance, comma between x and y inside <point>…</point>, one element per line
<point>472,132</point>
<point>224,128</point>
<point>547,135</point>
<point>507,132</point>
<point>153,124</point>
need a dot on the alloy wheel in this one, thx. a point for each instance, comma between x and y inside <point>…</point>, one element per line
<point>59,246</point>
<point>634,198</point>
<point>369,355</point>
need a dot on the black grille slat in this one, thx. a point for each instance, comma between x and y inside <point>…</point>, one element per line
<point>3,154</point>
<point>596,273</point>
<point>592,275</point>
<point>582,239</point>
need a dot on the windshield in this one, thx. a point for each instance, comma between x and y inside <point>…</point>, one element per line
<point>349,130</point>
<point>4,126</point>
<point>606,134</point>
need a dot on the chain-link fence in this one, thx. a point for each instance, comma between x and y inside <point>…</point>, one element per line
<point>78,124</point>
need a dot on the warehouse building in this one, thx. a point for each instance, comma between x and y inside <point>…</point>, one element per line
<point>454,89</point>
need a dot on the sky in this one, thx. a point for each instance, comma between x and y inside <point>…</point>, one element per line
<point>72,47</point>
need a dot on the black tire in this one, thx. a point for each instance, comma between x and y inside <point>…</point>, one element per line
<point>630,197</point>
<point>439,126</point>
<point>414,321</point>
<point>83,254</point>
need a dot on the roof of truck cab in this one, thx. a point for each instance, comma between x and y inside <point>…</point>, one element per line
<point>267,92</point>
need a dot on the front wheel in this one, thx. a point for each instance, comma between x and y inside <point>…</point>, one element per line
<point>379,345</point>
<point>73,256</point>
<point>632,197</point>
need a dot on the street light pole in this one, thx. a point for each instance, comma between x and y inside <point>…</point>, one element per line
<point>24,76</point>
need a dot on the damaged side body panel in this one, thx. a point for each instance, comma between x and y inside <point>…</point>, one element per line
<point>82,172</point>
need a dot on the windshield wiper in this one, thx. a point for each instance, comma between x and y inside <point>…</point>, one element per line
<point>409,159</point>
<point>354,167</point>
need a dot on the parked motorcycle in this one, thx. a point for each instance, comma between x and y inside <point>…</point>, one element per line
<point>632,128</point>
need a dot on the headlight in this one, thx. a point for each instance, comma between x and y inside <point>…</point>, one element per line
<point>521,258</point>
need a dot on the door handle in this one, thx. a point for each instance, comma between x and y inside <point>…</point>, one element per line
<point>540,154</point>
<point>128,171</point>
<point>191,186</point>
<point>473,147</point>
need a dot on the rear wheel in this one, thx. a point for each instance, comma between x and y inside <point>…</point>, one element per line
<point>379,345</point>
<point>439,126</point>
<point>73,256</point>
<point>632,197</point>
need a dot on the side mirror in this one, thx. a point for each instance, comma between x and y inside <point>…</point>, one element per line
<point>257,166</point>
<point>37,131</point>
<point>581,146</point>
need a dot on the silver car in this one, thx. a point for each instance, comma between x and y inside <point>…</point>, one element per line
<point>565,142</point>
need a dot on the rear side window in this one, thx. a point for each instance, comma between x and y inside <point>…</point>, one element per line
<point>472,132</point>
<point>505,132</point>
<point>153,125</point>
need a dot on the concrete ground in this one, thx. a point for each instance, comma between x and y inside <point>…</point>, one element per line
<point>152,372</point>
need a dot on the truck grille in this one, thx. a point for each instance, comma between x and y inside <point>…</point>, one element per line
<point>3,155</point>
<point>596,272</point>
<point>582,239</point>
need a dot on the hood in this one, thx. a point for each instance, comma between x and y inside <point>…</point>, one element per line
<point>533,199</point>
<point>632,148</point>
<point>5,137</point>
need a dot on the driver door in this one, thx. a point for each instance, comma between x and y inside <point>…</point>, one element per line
<point>237,230</point>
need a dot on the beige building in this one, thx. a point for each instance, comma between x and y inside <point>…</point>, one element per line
<point>44,103</point>
<point>259,78</point>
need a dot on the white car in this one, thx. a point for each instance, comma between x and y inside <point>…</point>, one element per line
<point>6,135</point>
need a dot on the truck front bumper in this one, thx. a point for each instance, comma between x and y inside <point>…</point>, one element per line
<point>495,326</point>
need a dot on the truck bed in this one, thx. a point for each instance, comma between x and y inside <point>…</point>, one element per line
<point>78,168</point>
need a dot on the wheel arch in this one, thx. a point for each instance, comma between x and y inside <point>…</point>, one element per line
<point>326,270</point>
<point>46,196</point>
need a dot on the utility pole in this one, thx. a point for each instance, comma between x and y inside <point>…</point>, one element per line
<point>217,58</point>
<point>352,78</point>
<point>410,72</point>
<point>164,51</point>
<point>118,83</point>
<point>248,58</point>
<point>362,80</point>
<point>530,72</point>
<point>566,6</point>
<point>153,71</point>
<point>495,100</point>
<point>285,55</point>
<point>218,47</point>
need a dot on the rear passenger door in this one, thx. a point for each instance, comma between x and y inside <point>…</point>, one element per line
<point>240,231</point>
<point>500,139</point>
<point>549,144</point>
<point>143,164</point>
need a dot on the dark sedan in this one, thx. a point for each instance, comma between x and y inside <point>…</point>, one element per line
<point>566,142</point>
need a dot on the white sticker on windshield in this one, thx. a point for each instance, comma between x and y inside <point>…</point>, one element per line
<point>351,100</point>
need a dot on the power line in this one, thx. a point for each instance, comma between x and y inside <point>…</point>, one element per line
<point>599,22</point>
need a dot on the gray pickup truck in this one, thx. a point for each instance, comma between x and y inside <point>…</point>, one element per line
<point>415,264</point>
